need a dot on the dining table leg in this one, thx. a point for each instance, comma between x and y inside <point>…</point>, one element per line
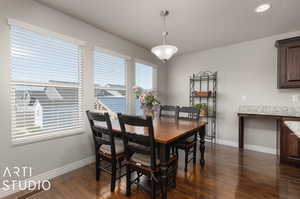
<point>241,132</point>
<point>202,133</point>
<point>164,160</point>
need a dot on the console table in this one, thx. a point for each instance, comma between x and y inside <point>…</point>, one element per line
<point>250,115</point>
<point>289,137</point>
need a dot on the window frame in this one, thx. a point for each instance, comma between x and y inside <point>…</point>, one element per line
<point>36,137</point>
<point>154,77</point>
<point>126,72</point>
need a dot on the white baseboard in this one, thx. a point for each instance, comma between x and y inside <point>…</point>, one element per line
<point>52,174</point>
<point>248,146</point>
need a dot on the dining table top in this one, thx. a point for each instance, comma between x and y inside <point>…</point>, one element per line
<point>166,130</point>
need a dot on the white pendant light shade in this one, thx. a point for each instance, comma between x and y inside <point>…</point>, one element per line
<point>164,52</point>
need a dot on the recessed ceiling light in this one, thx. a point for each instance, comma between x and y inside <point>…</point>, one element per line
<point>263,7</point>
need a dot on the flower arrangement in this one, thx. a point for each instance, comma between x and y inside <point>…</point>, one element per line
<point>148,99</point>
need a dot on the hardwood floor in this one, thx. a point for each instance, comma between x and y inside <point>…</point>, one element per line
<point>228,174</point>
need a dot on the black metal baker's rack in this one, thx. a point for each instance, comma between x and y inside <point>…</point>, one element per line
<point>206,82</point>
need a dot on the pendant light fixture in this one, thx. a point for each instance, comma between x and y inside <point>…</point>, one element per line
<point>164,52</point>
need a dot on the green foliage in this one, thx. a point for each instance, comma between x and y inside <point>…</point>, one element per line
<point>201,107</point>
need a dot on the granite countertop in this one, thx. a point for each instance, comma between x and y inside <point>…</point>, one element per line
<point>289,111</point>
<point>294,126</point>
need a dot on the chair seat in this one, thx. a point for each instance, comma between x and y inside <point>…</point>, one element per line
<point>139,147</point>
<point>188,142</point>
<point>142,159</point>
<point>119,146</point>
<point>190,139</point>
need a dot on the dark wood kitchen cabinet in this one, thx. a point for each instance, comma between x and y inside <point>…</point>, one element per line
<point>289,144</point>
<point>288,63</point>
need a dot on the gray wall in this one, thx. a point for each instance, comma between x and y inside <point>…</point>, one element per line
<point>245,69</point>
<point>51,154</point>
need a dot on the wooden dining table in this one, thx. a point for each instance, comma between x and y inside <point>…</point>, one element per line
<point>167,131</point>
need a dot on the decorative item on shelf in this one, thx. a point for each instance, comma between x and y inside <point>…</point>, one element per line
<point>148,100</point>
<point>202,108</point>
<point>201,93</point>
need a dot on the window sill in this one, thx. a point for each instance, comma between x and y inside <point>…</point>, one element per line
<point>43,137</point>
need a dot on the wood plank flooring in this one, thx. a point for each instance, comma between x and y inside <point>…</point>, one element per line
<point>228,174</point>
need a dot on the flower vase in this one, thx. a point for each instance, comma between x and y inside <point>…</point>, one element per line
<point>148,111</point>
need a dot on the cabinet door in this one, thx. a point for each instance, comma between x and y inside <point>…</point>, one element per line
<point>289,144</point>
<point>293,63</point>
<point>288,70</point>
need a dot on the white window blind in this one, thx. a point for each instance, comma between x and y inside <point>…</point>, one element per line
<point>110,84</point>
<point>144,77</point>
<point>46,84</point>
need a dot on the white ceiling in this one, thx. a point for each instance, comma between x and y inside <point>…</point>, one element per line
<point>192,24</point>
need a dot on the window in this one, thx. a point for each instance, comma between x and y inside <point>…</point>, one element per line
<point>46,84</point>
<point>144,78</point>
<point>110,84</point>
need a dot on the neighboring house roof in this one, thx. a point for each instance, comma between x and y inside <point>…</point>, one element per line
<point>122,92</point>
<point>102,92</point>
<point>49,97</point>
<point>115,93</point>
<point>46,97</point>
<point>115,86</point>
<point>32,101</point>
<point>62,82</point>
<point>53,94</point>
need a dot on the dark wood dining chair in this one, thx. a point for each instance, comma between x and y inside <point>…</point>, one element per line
<point>168,111</point>
<point>108,147</point>
<point>189,144</point>
<point>141,155</point>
